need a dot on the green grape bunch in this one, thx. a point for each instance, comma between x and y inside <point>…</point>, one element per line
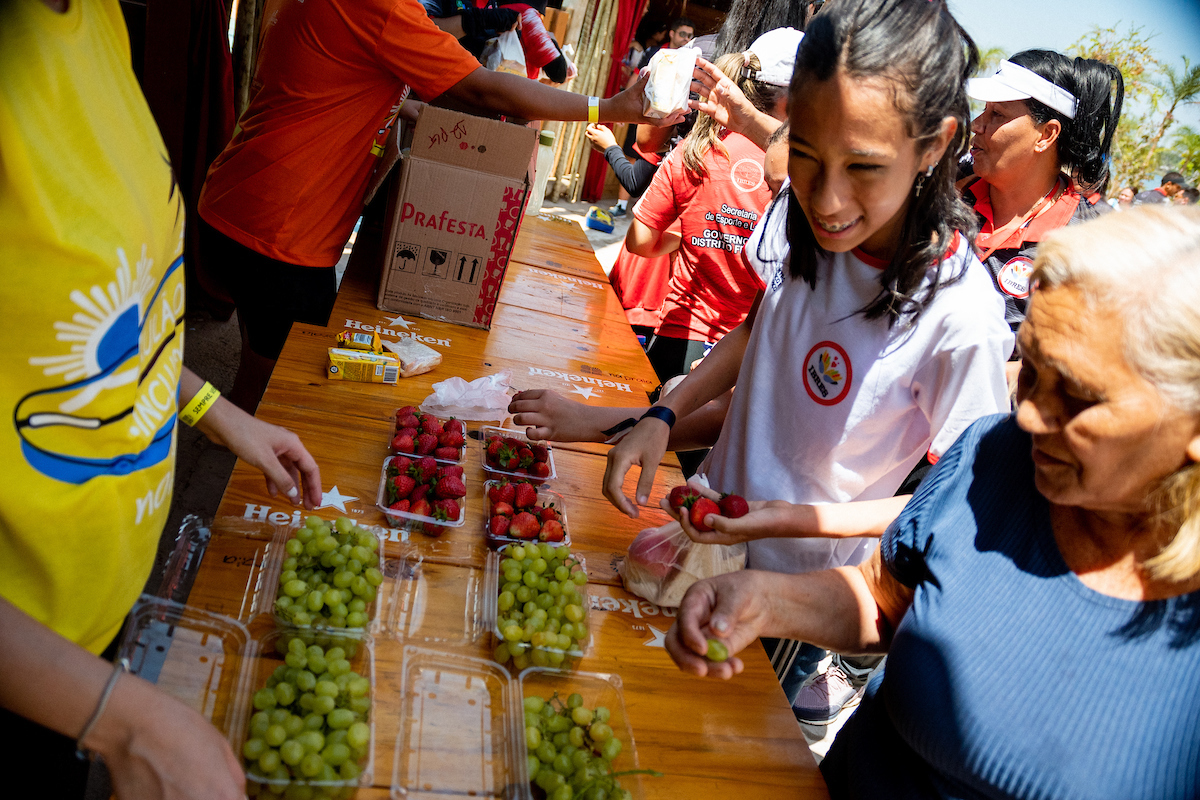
<point>330,576</point>
<point>310,723</point>
<point>541,616</point>
<point>570,750</point>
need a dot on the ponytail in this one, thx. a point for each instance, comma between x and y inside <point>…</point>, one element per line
<point>1085,143</point>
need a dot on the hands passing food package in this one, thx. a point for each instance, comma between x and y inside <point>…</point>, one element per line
<point>670,81</point>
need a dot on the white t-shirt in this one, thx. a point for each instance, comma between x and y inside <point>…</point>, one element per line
<point>831,407</point>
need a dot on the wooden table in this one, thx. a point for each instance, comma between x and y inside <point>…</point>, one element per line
<point>557,325</point>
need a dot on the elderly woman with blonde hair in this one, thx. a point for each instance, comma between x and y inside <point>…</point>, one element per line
<point>1039,597</point>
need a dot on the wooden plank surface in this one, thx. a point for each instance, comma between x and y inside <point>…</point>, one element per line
<point>555,327</point>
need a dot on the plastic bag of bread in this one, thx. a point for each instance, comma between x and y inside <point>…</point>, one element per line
<point>663,562</point>
<point>415,358</point>
<point>505,55</point>
<point>670,81</point>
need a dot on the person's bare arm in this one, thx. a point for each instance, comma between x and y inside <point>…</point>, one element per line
<point>847,610</point>
<point>451,25</point>
<point>154,746</point>
<point>779,519</point>
<point>521,97</point>
<point>647,242</point>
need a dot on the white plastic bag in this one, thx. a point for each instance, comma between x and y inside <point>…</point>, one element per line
<point>415,358</point>
<point>670,81</point>
<point>507,55</point>
<point>483,399</point>
<point>663,562</point>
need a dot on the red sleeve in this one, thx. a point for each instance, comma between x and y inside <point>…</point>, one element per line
<point>669,193</point>
<point>420,53</point>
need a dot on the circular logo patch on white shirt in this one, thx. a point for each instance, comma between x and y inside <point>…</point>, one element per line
<point>1014,277</point>
<point>747,174</point>
<point>827,373</point>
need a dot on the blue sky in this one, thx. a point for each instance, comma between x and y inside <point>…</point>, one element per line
<point>1016,25</point>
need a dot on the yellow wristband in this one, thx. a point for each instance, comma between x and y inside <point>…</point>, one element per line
<point>593,110</point>
<point>199,405</point>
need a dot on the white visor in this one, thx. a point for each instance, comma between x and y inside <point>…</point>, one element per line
<point>1014,82</point>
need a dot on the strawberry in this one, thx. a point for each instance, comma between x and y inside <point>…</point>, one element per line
<point>403,485</point>
<point>540,452</point>
<point>548,513</point>
<point>514,443</point>
<point>456,426</point>
<point>420,508</point>
<point>524,526</point>
<point>446,509</point>
<point>424,469</point>
<point>540,469</point>
<point>498,525</point>
<point>413,432</point>
<point>733,506</point>
<point>406,411</point>
<point>701,508</point>
<point>450,469</point>
<point>408,421</point>
<point>450,439</point>
<point>526,496</point>
<point>508,458</point>
<point>502,492</point>
<point>403,444</point>
<point>419,492</point>
<point>431,424</point>
<point>503,509</point>
<point>426,443</point>
<point>450,487</point>
<point>446,453</point>
<point>682,497</point>
<point>494,443</point>
<point>399,465</point>
<point>400,505</point>
<point>552,531</point>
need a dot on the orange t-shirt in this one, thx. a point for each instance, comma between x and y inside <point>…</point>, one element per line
<point>291,183</point>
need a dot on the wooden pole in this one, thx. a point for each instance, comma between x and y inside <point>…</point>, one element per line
<point>602,66</point>
<point>245,51</point>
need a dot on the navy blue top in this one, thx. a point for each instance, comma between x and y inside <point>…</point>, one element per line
<point>1008,677</point>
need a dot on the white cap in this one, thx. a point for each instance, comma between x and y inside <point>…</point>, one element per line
<point>1014,82</point>
<point>776,50</point>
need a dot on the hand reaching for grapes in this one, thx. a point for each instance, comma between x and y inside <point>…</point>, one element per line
<point>733,609</point>
<point>156,747</point>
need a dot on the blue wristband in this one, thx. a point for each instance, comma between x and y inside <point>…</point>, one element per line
<point>661,412</point>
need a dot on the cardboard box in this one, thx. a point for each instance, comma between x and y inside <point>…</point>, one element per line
<point>453,217</point>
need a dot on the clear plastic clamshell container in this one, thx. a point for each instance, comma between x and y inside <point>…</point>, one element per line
<point>545,497</point>
<point>597,690</point>
<point>270,588</point>
<point>273,647</point>
<point>197,657</point>
<point>460,730</point>
<point>462,449</point>
<point>488,431</point>
<point>414,522</point>
<point>436,603</point>
<point>536,655</point>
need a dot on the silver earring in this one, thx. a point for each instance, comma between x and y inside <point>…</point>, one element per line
<point>921,176</point>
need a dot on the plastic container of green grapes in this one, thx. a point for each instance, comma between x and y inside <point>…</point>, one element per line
<point>540,655</point>
<point>198,657</point>
<point>271,653</point>
<point>421,523</point>
<point>596,690</point>
<point>459,731</point>
<point>545,497</point>
<point>435,603</point>
<point>272,570</point>
<point>488,431</point>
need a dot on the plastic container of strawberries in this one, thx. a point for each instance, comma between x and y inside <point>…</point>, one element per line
<point>462,449</point>
<point>545,497</point>
<point>414,522</point>
<point>488,432</point>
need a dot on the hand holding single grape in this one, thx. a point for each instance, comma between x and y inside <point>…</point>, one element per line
<point>732,609</point>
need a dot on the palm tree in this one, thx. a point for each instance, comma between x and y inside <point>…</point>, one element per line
<point>1177,87</point>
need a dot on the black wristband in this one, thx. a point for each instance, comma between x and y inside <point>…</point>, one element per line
<point>661,412</point>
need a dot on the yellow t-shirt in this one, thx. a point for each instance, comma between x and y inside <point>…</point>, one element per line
<point>92,291</point>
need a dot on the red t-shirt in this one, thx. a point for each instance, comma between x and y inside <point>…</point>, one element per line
<point>712,288</point>
<point>330,72</point>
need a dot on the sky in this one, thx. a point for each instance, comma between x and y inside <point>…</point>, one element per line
<point>1016,25</point>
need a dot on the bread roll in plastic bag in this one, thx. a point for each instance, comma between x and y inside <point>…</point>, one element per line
<point>663,562</point>
<point>506,55</point>
<point>415,358</point>
<point>670,81</point>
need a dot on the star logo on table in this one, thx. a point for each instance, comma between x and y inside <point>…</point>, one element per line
<point>399,322</point>
<point>587,392</point>
<point>335,499</point>
<point>659,640</point>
